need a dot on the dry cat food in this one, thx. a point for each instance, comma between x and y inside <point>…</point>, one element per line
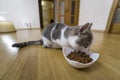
<point>81,57</point>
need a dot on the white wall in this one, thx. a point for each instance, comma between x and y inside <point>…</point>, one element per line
<point>20,10</point>
<point>96,11</point>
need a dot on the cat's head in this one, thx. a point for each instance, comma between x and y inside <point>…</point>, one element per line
<point>81,37</point>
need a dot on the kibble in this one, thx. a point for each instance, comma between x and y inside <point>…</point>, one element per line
<point>81,57</point>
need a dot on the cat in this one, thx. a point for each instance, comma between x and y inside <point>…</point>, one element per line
<point>58,35</point>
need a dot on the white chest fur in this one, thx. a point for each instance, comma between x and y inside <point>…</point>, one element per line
<point>72,41</point>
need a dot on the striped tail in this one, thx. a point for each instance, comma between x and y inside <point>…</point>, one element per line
<point>24,44</point>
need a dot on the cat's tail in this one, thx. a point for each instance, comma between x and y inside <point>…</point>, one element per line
<point>28,43</point>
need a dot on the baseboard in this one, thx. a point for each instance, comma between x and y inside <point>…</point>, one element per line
<point>102,31</point>
<point>27,28</point>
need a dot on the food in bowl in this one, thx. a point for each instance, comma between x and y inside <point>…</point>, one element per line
<point>76,64</point>
<point>79,56</point>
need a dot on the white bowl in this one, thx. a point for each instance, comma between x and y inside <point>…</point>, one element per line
<point>76,64</point>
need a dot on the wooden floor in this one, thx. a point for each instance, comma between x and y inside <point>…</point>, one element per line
<point>38,63</point>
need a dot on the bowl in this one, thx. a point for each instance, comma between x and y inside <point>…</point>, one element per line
<point>76,64</point>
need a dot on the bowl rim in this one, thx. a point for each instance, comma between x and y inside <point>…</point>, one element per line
<point>76,62</point>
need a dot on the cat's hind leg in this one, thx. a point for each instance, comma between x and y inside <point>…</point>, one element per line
<point>47,43</point>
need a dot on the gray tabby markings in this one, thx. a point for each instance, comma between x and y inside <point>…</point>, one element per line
<point>72,31</point>
<point>67,32</point>
<point>47,31</point>
<point>86,39</point>
<point>57,31</point>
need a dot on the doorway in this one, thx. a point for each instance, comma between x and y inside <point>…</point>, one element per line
<point>46,12</point>
<point>63,11</point>
<point>113,25</point>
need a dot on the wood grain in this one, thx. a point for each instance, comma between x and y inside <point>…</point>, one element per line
<point>115,28</point>
<point>38,63</point>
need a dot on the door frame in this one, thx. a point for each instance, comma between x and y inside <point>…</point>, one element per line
<point>67,11</point>
<point>41,12</point>
<point>111,15</point>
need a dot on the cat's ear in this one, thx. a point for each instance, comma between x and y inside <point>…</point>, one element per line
<point>85,27</point>
<point>90,26</point>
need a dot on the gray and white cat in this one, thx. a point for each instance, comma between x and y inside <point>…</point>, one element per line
<point>58,35</point>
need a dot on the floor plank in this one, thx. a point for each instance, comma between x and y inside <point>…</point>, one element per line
<point>38,63</point>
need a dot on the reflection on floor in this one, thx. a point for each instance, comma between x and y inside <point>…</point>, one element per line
<point>38,63</point>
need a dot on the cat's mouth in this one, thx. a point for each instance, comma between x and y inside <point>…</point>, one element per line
<point>81,48</point>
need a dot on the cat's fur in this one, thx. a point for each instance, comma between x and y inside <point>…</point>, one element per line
<point>58,35</point>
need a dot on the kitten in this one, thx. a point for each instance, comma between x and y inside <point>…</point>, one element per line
<point>58,35</point>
